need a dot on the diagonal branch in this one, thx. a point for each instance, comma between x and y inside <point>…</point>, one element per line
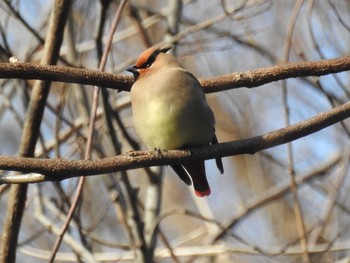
<point>58,169</point>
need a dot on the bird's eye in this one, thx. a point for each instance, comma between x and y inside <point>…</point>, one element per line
<point>149,62</point>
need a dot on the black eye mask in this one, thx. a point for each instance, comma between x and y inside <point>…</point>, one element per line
<point>150,60</point>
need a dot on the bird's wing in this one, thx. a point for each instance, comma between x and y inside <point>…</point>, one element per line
<point>182,173</point>
<point>218,160</point>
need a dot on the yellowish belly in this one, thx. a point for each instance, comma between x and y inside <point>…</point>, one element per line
<point>167,127</point>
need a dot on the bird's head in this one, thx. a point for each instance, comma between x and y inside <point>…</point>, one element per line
<point>146,60</point>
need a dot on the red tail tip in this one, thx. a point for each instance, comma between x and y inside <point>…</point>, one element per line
<point>203,193</point>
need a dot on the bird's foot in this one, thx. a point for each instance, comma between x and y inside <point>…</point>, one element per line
<point>187,148</point>
<point>158,152</point>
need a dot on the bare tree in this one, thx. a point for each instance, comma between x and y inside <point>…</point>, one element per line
<point>75,183</point>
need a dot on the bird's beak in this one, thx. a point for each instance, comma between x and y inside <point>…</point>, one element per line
<point>134,70</point>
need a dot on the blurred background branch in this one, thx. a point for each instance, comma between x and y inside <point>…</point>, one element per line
<point>228,45</point>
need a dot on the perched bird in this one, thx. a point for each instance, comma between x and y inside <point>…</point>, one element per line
<point>170,112</point>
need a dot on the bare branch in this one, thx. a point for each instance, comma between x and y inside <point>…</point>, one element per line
<point>58,169</point>
<point>249,79</point>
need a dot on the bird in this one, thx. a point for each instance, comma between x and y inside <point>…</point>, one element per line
<point>170,112</point>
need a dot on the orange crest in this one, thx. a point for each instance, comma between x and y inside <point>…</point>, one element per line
<point>145,56</point>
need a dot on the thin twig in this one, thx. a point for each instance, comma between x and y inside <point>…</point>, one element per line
<point>330,207</point>
<point>291,170</point>
<point>80,186</point>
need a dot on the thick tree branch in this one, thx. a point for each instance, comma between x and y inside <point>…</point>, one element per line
<point>58,169</point>
<point>249,79</point>
<point>258,77</point>
<point>23,70</point>
<point>31,129</point>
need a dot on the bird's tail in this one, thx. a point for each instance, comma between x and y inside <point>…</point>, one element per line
<point>197,172</point>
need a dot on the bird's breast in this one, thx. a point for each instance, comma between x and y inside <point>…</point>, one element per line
<point>169,114</point>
